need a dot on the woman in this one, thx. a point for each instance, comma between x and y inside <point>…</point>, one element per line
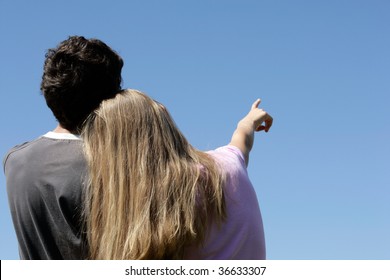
<point>153,196</point>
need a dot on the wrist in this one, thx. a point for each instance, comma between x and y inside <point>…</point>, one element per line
<point>246,124</point>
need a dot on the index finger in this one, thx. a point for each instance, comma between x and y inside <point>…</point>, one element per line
<point>256,103</point>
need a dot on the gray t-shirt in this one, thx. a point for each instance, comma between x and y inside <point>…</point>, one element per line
<point>45,180</point>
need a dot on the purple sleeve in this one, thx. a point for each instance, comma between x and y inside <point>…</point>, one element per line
<point>234,150</point>
<point>230,152</point>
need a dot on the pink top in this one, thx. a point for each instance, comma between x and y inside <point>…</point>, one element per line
<point>241,237</point>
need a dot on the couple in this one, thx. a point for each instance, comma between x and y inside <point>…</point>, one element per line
<point>116,179</point>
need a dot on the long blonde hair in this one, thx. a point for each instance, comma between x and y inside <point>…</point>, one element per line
<point>151,194</point>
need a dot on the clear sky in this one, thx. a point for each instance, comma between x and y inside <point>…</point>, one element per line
<point>322,69</point>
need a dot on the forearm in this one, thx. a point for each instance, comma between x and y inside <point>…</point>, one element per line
<point>243,138</point>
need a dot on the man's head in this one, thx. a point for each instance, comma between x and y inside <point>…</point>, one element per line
<point>78,74</point>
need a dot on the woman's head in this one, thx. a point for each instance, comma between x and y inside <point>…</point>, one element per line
<point>134,120</point>
<point>150,191</point>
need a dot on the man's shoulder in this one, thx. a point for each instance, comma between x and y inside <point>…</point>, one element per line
<point>19,147</point>
<point>49,143</point>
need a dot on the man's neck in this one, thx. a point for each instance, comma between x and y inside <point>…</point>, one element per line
<point>60,129</point>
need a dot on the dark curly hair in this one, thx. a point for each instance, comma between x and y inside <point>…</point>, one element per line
<point>78,74</point>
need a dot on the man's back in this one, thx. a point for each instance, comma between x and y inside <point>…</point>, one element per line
<point>45,179</point>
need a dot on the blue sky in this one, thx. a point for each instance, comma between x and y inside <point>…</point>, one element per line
<point>321,68</point>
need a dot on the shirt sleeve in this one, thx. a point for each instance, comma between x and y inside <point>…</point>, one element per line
<point>233,152</point>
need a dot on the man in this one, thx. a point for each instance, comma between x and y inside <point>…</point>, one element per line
<point>45,177</point>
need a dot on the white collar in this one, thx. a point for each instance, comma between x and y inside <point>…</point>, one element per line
<point>63,136</point>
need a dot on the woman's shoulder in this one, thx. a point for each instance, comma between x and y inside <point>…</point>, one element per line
<point>228,154</point>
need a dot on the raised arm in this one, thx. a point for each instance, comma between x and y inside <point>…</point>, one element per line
<point>256,120</point>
